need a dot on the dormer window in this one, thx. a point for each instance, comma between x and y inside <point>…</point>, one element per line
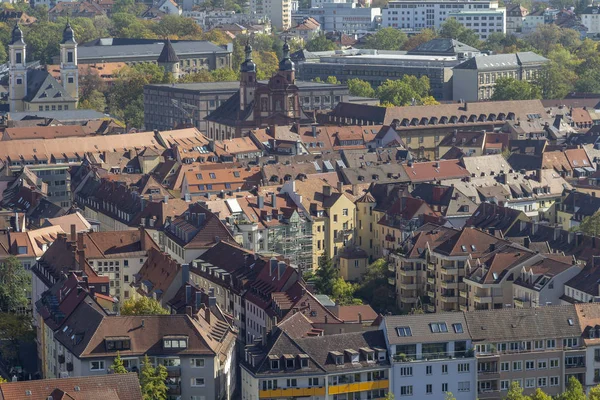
<point>303,360</point>
<point>339,360</point>
<point>22,249</point>
<point>353,355</point>
<point>337,357</point>
<point>289,361</point>
<point>173,342</point>
<point>117,343</point>
<point>274,362</point>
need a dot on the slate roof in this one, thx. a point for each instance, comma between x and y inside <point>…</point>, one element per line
<point>508,324</point>
<point>168,55</point>
<point>502,61</point>
<point>442,46</point>
<point>587,280</point>
<point>492,217</point>
<point>42,87</point>
<point>421,330</point>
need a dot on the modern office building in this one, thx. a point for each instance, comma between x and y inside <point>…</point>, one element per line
<point>343,17</point>
<point>414,15</point>
<point>278,11</point>
<point>482,22</point>
<point>474,79</point>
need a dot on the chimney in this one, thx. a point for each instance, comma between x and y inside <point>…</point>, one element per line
<point>261,202</point>
<point>314,130</point>
<point>188,311</point>
<point>80,250</point>
<point>73,233</point>
<point>340,186</point>
<point>326,190</point>
<point>355,189</point>
<point>280,270</point>
<point>142,238</point>
<point>185,273</point>
<point>17,228</point>
<point>274,200</point>
<point>526,241</point>
<point>198,300</point>
<point>359,318</point>
<point>166,199</point>
<point>188,294</point>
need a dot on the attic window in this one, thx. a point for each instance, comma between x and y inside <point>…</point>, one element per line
<point>339,360</point>
<point>236,174</point>
<point>570,322</point>
<point>112,344</point>
<point>463,248</point>
<point>403,331</point>
<point>274,364</point>
<point>303,360</point>
<point>437,327</point>
<point>175,343</point>
<point>458,328</point>
<point>289,363</point>
<point>199,176</point>
<point>212,175</point>
<point>472,247</point>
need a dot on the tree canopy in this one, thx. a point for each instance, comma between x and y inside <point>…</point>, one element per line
<point>387,39</point>
<point>513,89</point>
<point>358,87</point>
<point>321,43</point>
<point>326,275</point>
<point>14,284</point>
<point>409,90</point>
<point>152,381</point>
<point>117,366</point>
<point>142,306</point>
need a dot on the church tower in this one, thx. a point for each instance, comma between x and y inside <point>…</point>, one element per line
<point>247,79</point>
<point>286,65</point>
<point>168,60</point>
<point>69,73</point>
<point>17,70</point>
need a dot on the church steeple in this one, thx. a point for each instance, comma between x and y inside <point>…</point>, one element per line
<point>286,65</point>
<point>69,71</point>
<point>17,69</point>
<point>247,79</point>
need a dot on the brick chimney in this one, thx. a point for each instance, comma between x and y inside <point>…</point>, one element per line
<point>80,250</point>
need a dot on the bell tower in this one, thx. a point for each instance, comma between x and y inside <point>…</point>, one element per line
<point>247,79</point>
<point>17,70</point>
<point>69,73</point>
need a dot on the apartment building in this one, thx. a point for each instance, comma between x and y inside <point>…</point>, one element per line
<point>482,22</point>
<point>413,16</point>
<point>431,355</point>
<point>474,79</point>
<point>342,366</point>
<point>590,18</point>
<point>279,12</point>
<point>536,347</point>
<point>331,211</point>
<point>515,16</point>
<point>589,325</point>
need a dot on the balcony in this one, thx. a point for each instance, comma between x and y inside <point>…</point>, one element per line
<point>292,392</point>
<point>482,299</point>
<point>173,372</point>
<point>488,394</point>
<point>463,307</point>
<point>463,294</point>
<point>431,293</point>
<point>408,286</point>
<point>359,386</point>
<point>391,267</point>
<point>449,270</point>
<point>488,374</point>
<point>430,308</point>
<point>519,302</point>
<point>430,267</point>
<point>403,358</point>
<point>408,300</point>
<point>431,281</point>
<point>449,298</point>
<point>449,285</point>
<point>392,281</point>
<point>408,272</point>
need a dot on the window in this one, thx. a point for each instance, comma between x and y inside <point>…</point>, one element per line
<point>19,81</point>
<point>126,263</point>
<point>406,371</point>
<point>428,369</point>
<point>345,212</point>
<point>554,381</point>
<point>404,331</point>
<point>463,367</point>
<point>304,363</point>
<point>504,385</point>
<point>517,365</point>
<point>429,388</point>
<point>313,381</point>
<point>269,384</point>
<point>292,382</point>
<point>554,363</point>
<point>274,364</point>
<point>289,363</point>
<point>334,217</point>
<point>464,386</point>
<point>529,365</point>
<point>538,344</point>
<point>174,343</point>
<point>458,328</point>
<point>529,383</point>
<point>437,327</point>
<point>551,343</point>
<point>96,365</point>
<point>542,364</point>
<point>444,387</point>
<point>212,175</point>
<point>70,79</point>
<point>570,342</point>
<point>197,362</point>
<point>505,366</point>
<point>197,382</point>
<point>406,390</point>
<point>19,57</point>
<point>69,56</point>
<point>542,381</point>
<point>444,368</point>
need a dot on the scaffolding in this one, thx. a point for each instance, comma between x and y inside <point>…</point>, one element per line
<point>294,242</point>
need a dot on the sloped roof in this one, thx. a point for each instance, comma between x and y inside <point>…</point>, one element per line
<point>501,61</point>
<point>168,55</point>
<point>42,87</point>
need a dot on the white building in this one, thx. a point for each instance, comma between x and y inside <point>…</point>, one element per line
<point>590,18</point>
<point>431,355</point>
<point>532,20</point>
<point>278,11</point>
<point>414,15</point>
<point>482,22</point>
<point>319,3</point>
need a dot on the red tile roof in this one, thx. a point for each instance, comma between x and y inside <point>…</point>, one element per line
<point>435,170</point>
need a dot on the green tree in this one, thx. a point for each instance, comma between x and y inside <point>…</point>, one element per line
<point>14,285</point>
<point>451,29</point>
<point>224,75</point>
<point>14,330</point>
<point>342,292</point>
<point>515,392</point>
<point>267,64</point>
<point>387,39</point>
<point>176,26</point>
<point>547,36</point>
<point>556,81</point>
<point>574,391</point>
<point>540,395</point>
<point>117,366</point>
<point>374,288</point>
<point>406,91</point>
<point>96,100</point>
<point>513,89</point>
<point>358,87</point>
<point>124,6</point>
<point>449,396</point>
<point>332,80</point>
<point>321,43</point>
<point>326,275</point>
<point>594,393</point>
<point>423,36</point>
<point>43,41</point>
<point>152,381</point>
<point>200,76</point>
<point>142,306</point>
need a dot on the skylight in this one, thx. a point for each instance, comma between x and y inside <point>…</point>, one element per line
<point>437,327</point>
<point>458,328</point>
<point>404,331</point>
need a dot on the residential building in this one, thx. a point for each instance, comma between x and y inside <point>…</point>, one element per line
<point>536,347</point>
<point>534,19</point>
<point>217,178</point>
<point>323,367</point>
<point>574,208</point>
<point>482,22</point>
<point>353,263</point>
<point>169,105</point>
<point>306,30</point>
<point>590,18</point>
<point>347,18</point>
<point>583,288</point>
<point>279,12</point>
<point>431,355</point>
<point>470,143</point>
<point>474,79</point>
<point>113,386</point>
<point>588,324</point>
<point>160,278</point>
<point>515,16</point>
<point>331,212</point>
<point>412,16</point>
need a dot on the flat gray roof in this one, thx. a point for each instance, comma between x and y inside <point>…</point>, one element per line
<point>146,50</point>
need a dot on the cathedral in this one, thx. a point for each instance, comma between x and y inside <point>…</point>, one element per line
<point>32,89</point>
<point>258,104</point>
